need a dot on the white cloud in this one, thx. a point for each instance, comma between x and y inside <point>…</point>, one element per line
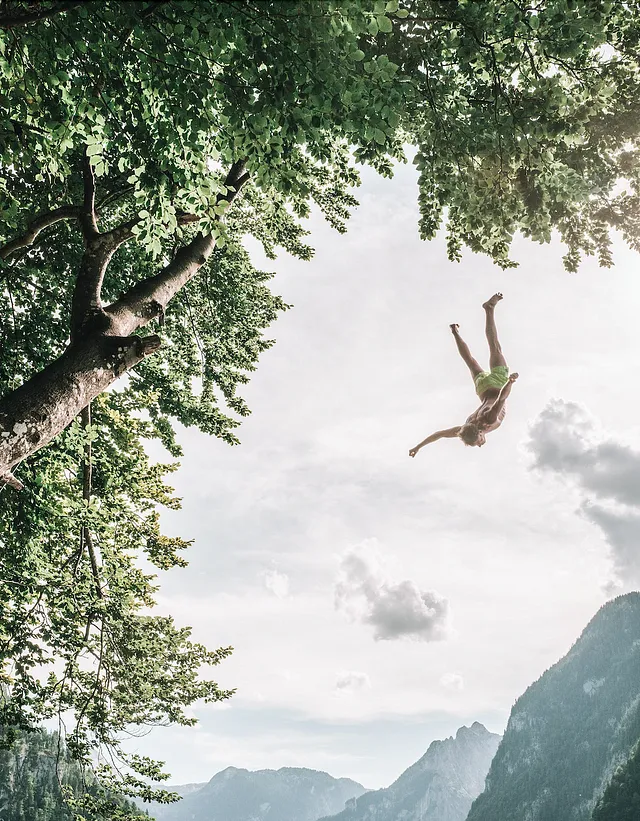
<point>621,529</point>
<point>452,681</point>
<point>566,440</point>
<point>394,609</point>
<point>350,681</point>
<point>277,583</point>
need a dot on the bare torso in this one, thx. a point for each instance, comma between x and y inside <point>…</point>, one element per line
<point>478,417</point>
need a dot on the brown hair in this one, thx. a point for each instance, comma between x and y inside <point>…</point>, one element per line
<point>469,434</point>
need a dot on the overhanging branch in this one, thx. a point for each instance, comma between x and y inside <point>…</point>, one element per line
<point>87,469</point>
<point>8,21</point>
<point>149,298</point>
<point>88,215</point>
<point>10,480</point>
<point>41,222</point>
<point>103,343</point>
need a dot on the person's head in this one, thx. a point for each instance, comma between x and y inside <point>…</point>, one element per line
<point>471,435</point>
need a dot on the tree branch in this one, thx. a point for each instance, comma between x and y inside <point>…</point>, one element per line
<point>36,412</point>
<point>113,197</point>
<point>149,298</point>
<point>86,305</point>
<point>8,22</point>
<point>39,224</point>
<point>103,345</point>
<point>88,215</point>
<point>10,480</point>
<point>87,469</point>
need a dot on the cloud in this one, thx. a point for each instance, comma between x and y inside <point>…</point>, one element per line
<point>350,681</point>
<point>452,681</point>
<point>394,609</point>
<point>622,532</point>
<point>277,583</point>
<point>567,441</point>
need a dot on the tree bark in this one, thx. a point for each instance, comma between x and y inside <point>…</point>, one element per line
<point>102,344</point>
<point>32,415</point>
<point>39,224</point>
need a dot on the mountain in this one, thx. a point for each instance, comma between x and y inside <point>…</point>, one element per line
<point>621,799</point>
<point>29,770</point>
<point>288,794</point>
<point>572,728</point>
<point>29,789</point>
<point>30,765</point>
<point>438,787</point>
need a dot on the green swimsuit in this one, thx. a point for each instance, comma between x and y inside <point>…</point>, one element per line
<point>494,379</point>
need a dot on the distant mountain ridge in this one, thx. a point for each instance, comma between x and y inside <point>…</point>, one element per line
<point>440,786</point>
<point>571,729</point>
<point>287,794</point>
<point>571,752</point>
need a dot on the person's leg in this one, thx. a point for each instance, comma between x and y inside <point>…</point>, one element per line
<point>465,353</point>
<point>496,356</point>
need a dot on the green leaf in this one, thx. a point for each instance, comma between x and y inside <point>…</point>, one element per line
<point>283,94</point>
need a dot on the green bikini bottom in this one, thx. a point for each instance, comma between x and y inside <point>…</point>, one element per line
<point>494,379</point>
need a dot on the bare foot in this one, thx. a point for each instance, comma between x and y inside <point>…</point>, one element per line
<point>454,328</point>
<point>413,452</point>
<point>491,303</point>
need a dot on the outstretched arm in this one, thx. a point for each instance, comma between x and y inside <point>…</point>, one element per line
<point>450,433</point>
<point>492,414</point>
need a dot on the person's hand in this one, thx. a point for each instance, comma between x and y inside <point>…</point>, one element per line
<point>513,377</point>
<point>413,452</point>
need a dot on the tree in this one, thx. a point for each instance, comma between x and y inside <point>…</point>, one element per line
<point>34,776</point>
<point>143,142</point>
<point>621,799</point>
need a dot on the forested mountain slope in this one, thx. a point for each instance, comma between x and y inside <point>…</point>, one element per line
<point>572,728</point>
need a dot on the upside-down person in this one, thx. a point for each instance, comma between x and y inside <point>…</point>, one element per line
<point>492,386</point>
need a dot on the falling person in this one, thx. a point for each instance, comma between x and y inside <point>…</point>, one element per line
<point>493,387</point>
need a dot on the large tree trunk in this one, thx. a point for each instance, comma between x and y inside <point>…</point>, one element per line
<point>102,342</point>
<point>102,348</point>
<point>39,410</point>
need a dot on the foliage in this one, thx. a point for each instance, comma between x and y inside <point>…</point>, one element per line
<point>76,644</point>
<point>36,773</point>
<point>621,799</point>
<point>524,118</point>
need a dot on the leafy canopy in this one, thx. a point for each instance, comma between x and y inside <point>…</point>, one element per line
<point>522,118</point>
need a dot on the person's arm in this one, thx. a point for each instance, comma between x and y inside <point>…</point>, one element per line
<point>450,433</point>
<point>491,416</point>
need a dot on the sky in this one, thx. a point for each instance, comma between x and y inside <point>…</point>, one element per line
<point>377,602</point>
